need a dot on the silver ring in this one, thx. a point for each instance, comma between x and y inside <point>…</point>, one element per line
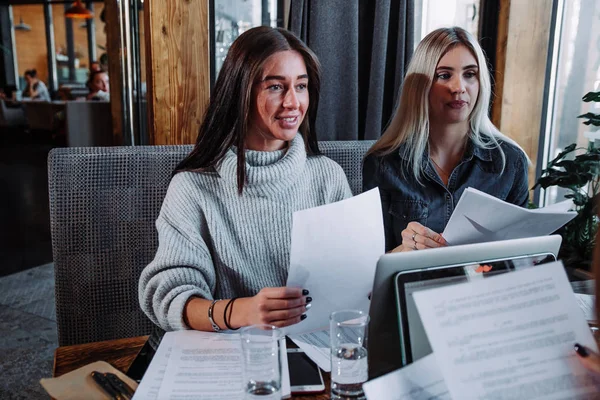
<point>413,237</point>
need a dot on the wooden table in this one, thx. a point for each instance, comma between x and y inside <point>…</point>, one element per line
<point>120,354</point>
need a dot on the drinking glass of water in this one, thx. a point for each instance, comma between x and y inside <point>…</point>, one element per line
<point>262,363</point>
<point>349,365</point>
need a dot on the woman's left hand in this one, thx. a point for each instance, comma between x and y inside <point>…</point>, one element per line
<point>589,359</point>
<point>419,237</point>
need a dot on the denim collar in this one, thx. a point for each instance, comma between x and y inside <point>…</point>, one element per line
<point>471,151</point>
<point>479,152</point>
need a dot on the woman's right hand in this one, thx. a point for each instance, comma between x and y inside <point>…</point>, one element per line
<point>279,306</point>
<point>589,358</point>
<point>419,237</point>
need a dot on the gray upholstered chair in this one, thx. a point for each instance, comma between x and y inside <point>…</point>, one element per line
<point>103,205</point>
<point>11,117</point>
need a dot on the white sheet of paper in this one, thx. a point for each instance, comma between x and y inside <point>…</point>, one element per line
<point>153,377</point>
<point>560,207</point>
<point>316,346</point>
<point>509,336</point>
<point>334,253</point>
<point>207,366</point>
<point>586,303</point>
<point>421,380</point>
<point>479,217</point>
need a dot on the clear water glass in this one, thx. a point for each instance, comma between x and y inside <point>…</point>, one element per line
<point>262,363</point>
<point>349,365</point>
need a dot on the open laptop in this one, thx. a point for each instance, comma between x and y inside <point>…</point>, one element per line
<point>385,350</point>
<point>414,343</point>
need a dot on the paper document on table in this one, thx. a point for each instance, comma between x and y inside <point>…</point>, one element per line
<point>509,336</point>
<point>334,252</point>
<point>479,217</point>
<point>207,366</point>
<point>421,380</point>
<point>587,304</point>
<point>153,377</point>
<point>316,346</point>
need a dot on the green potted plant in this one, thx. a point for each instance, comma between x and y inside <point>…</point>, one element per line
<point>577,170</point>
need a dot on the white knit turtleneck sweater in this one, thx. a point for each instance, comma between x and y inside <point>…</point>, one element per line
<point>216,244</point>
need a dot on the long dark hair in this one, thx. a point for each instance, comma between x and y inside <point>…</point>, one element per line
<point>33,74</point>
<point>227,118</point>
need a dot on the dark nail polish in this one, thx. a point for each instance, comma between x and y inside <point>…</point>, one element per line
<point>304,292</point>
<point>302,317</point>
<point>581,350</point>
<point>308,300</point>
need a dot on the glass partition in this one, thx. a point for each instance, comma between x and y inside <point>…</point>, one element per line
<point>233,17</point>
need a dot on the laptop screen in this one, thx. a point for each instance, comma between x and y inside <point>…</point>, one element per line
<point>414,342</point>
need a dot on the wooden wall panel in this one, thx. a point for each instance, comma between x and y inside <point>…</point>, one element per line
<point>501,42</point>
<point>177,50</point>
<point>524,74</point>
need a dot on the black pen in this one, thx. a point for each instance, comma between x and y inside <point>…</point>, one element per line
<point>105,385</point>
<point>119,384</point>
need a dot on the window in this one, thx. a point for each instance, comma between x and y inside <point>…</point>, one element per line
<point>233,17</point>
<point>433,14</point>
<point>575,71</point>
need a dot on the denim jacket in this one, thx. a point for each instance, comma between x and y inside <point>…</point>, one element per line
<point>431,203</point>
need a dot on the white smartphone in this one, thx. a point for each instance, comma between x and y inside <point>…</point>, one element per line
<point>305,375</point>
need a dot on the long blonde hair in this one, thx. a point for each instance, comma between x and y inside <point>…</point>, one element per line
<point>410,123</point>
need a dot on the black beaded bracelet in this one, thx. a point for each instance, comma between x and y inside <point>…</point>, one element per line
<point>227,318</point>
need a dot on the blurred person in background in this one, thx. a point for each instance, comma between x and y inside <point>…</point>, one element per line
<point>99,87</point>
<point>35,89</point>
<point>95,67</point>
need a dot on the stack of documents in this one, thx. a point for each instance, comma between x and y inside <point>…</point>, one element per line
<point>479,217</point>
<point>506,337</point>
<point>201,366</point>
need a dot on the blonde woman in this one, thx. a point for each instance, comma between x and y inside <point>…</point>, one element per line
<point>440,142</point>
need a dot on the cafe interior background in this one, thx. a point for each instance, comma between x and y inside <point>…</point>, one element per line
<point>544,55</point>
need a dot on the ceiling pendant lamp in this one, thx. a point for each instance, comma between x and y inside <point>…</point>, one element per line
<point>22,26</point>
<point>78,10</point>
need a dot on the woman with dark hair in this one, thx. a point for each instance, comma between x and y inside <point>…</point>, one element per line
<point>35,89</point>
<point>225,225</point>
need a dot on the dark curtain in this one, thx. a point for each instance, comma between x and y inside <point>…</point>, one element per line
<point>364,47</point>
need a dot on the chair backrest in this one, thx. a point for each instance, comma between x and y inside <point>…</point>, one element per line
<point>88,123</point>
<point>11,117</point>
<point>103,205</point>
<point>39,115</point>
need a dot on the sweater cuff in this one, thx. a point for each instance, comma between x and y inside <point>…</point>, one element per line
<point>175,314</point>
